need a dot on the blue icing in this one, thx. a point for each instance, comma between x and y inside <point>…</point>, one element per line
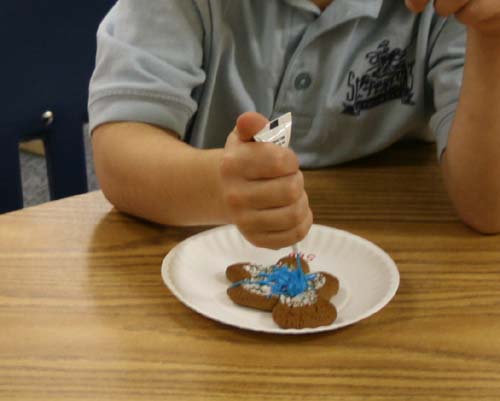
<point>283,280</point>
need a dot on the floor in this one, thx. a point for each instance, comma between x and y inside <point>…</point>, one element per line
<point>34,175</point>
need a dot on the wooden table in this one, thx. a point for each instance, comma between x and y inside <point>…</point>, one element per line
<point>84,314</point>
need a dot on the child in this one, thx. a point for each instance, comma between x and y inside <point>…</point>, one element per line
<point>357,75</point>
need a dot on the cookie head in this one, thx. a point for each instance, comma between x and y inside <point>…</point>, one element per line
<point>292,262</point>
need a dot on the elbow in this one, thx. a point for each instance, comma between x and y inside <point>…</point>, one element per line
<point>475,194</point>
<point>113,186</point>
<point>107,171</point>
<point>484,221</point>
<point>110,191</point>
<point>110,194</point>
<point>114,193</point>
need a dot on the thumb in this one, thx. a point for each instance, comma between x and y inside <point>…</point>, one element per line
<point>248,124</point>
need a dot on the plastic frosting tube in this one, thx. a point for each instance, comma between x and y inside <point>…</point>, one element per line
<point>279,132</point>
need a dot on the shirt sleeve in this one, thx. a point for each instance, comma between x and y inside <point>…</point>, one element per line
<point>444,75</point>
<point>149,61</point>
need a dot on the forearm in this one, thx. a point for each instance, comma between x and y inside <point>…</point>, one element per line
<point>149,173</point>
<point>471,163</point>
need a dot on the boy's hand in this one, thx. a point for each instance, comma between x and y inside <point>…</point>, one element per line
<point>481,15</point>
<point>263,188</point>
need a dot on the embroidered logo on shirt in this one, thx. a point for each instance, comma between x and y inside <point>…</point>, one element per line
<point>389,77</point>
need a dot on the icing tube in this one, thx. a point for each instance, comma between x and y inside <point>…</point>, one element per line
<point>277,131</point>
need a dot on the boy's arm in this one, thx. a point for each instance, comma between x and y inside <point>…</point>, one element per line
<point>471,161</point>
<point>147,172</point>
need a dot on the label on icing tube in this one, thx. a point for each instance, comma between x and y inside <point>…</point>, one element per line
<point>277,131</point>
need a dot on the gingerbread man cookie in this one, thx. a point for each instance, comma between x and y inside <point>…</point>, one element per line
<point>296,298</point>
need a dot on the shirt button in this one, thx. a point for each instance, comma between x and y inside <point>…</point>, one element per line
<point>303,81</point>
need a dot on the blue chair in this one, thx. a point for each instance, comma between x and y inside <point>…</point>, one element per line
<point>48,53</point>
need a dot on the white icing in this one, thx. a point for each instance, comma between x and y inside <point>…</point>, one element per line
<point>257,288</point>
<point>255,269</point>
<point>304,299</point>
<point>317,282</point>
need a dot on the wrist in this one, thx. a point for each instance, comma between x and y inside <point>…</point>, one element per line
<point>213,164</point>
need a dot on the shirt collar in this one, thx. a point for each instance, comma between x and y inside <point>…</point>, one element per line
<point>305,5</point>
<point>349,9</point>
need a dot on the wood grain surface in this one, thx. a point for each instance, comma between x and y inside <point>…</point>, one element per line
<point>84,314</point>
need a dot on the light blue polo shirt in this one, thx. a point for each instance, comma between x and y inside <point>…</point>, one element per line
<point>357,77</point>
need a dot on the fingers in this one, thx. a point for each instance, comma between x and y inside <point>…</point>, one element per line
<point>280,239</point>
<point>274,220</point>
<point>263,188</point>
<point>483,15</point>
<point>268,193</point>
<point>469,12</point>
<point>271,213</point>
<point>445,8</point>
<point>417,6</point>
<point>264,224</point>
<point>249,124</point>
<point>254,160</point>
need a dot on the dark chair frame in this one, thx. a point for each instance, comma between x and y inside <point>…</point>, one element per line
<point>49,57</point>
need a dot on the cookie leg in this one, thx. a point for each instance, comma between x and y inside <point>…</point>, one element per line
<point>237,272</point>
<point>244,297</point>
<point>319,313</point>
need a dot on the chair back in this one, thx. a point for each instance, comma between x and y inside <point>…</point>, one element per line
<point>49,53</point>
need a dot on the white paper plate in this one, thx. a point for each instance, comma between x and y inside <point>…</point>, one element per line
<point>194,271</point>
